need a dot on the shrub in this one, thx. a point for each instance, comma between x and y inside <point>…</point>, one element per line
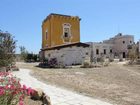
<point>11,91</point>
<point>101,59</point>
<point>111,60</point>
<point>52,62</point>
<point>87,64</point>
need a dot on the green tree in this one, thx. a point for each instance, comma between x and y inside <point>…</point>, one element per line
<point>35,57</point>
<point>7,49</point>
<point>29,57</point>
<point>23,53</point>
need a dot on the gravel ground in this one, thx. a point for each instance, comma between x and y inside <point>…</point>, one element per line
<point>117,83</point>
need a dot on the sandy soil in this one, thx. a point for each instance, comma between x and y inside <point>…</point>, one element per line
<point>117,83</point>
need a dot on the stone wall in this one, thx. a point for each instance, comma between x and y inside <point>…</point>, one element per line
<point>69,56</point>
<point>101,47</point>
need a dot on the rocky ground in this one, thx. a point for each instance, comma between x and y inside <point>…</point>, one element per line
<point>117,83</point>
<point>29,101</point>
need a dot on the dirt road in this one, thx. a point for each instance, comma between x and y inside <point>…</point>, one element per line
<point>116,83</point>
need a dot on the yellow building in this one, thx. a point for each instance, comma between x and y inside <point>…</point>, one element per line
<point>61,40</point>
<point>60,30</point>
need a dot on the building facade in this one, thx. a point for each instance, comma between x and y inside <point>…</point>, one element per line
<point>100,49</point>
<point>70,54</point>
<point>60,29</point>
<point>115,47</point>
<point>61,40</point>
<point>120,44</point>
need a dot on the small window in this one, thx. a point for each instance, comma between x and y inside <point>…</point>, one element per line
<point>65,34</point>
<point>123,42</point>
<point>130,41</point>
<point>104,51</point>
<point>110,50</point>
<point>97,51</point>
<point>46,35</point>
<point>86,53</point>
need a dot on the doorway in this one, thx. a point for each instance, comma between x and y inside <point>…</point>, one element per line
<point>124,55</point>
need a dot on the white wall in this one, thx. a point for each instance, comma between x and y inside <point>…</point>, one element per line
<point>69,55</point>
<point>100,47</point>
<point>120,47</point>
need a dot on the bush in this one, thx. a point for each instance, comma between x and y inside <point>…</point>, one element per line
<point>111,60</point>
<point>101,59</point>
<point>87,65</point>
<point>121,59</point>
<point>11,91</point>
<point>52,62</point>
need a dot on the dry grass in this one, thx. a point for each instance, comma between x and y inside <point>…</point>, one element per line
<point>116,83</point>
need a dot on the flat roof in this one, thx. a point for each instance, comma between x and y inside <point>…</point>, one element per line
<point>60,15</point>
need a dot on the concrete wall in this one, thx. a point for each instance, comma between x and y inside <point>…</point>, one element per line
<point>69,56</point>
<point>101,47</point>
<point>121,43</point>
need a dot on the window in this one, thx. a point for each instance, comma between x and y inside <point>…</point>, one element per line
<point>66,32</point>
<point>46,35</point>
<point>123,42</point>
<point>110,50</point>
<point>104,51</point>
<point>86,53</point>
<point>130,41</point>
<point>97,51</point>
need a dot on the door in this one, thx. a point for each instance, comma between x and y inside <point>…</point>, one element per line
<point>124,55</point>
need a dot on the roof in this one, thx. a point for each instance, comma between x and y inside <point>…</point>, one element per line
<point>78,44</point>
<point>59,15</point>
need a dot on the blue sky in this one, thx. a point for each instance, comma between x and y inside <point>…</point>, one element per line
<point>101,19</point>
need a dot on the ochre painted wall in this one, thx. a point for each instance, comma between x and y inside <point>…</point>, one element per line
<point>54,26</point>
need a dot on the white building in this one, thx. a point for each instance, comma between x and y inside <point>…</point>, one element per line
<point>116,47</point>
<point>120,44</point>
<point>69,54</point>
<point>99,50</point>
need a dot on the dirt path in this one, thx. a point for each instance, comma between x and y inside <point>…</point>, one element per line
<point>58,96</point>
<point>116,83</point>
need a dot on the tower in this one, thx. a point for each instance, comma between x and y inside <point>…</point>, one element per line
<point>60,30</point>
